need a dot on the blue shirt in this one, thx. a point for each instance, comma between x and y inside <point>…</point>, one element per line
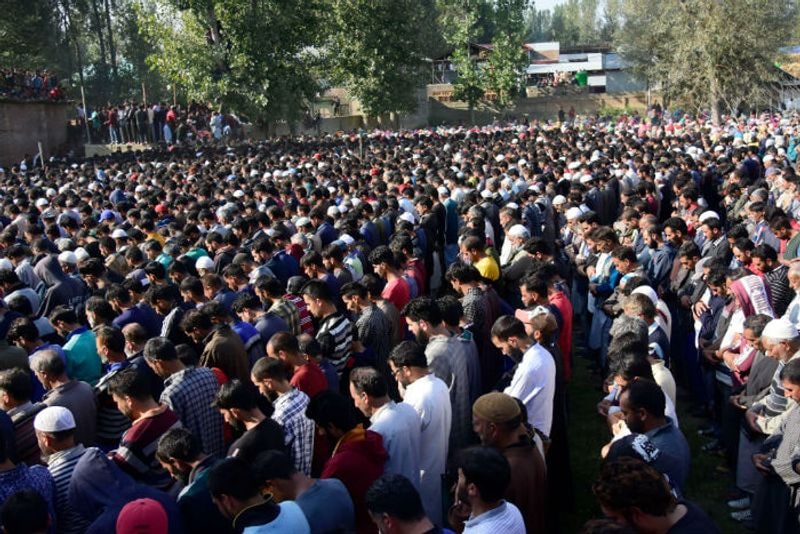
<point>327,506</point>
<point>670,439</point>
<point>145,316</point>
<point>270,324</point>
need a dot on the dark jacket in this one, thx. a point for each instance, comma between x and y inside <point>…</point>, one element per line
<point>61,289</point>
<point>99,490</point>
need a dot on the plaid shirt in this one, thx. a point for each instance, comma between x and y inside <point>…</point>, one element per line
<point>189,393</point>
<point>290,412</point>
<point>474,305</point>
<point>287,311</point>
<point>306,324</point>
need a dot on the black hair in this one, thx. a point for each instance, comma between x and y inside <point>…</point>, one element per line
<point>317,289</point>
<point>408,354</point>
<point>233,477</point>
<point>131,382</point>
<point>370,381</point>
<point>791,372</point>
<point>508,326</point>
<point>395,495</point>
<point>180,444</point>
<point>423,309</point>
<point>25,511</point>
<point>329,408</point>
<point>488,469</point>
<point>160,348</point>
<point>267,367</point>
<point>648,395</point>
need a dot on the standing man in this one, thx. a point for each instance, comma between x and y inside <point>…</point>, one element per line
<point>429,396</point>
<point>83,363</point>
<point>334,333</point>
<point>372,324</point>
<point>189,392</point>
<point>398,424</point>
<point>306,373</point>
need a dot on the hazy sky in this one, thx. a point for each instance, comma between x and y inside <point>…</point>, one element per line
<point>547,4</point>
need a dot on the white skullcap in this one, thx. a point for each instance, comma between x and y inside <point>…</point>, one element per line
<point>204,262</point>
<point>41,202</point>
<point>119,233</point>
<point>303,221</point>
<point>333,211</point>
<point>6,265</point>
<point>68,257</point>
<point>81,254</point>
<point>706,215</point>
<point>586,178</point>
<point>512,205</point>
<point>780,330</point>
<point>406,216</point>
<point>486,193</point>
<point>346,239</point>
<point>518,230</point>
<point>574,165</point>
<point>647,291</point>
<point>573,213</point>
<point>54,419</point>
<point>443,191</point>
<point>559,199</point>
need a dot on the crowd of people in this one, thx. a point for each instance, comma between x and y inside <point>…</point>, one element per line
<point>301,335</point>
<point>159,123</point>
<point>29,84</point>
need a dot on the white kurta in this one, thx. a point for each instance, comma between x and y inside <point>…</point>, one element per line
<point>400,427</point>
<point>534,383</point>
<point>431,400</point>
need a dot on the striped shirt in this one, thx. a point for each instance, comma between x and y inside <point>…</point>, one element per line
<point>61,465</point>
<point>290,412</point>
<point>306,324</point>
<point>27,446</point>
<point>335,338</point>
<point>374,331</point>
<point>780,292</point>
<point>111,423</point>
<point>189,393</point>
<point>136,454</point>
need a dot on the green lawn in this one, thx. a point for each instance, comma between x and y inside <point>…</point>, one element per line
<point>588,433</point>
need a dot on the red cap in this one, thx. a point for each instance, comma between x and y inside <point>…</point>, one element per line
<point>142,516</point>
<point>161,209</point>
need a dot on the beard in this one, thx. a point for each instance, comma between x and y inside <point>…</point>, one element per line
<point>422,338</point>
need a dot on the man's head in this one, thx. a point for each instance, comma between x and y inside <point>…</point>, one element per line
<point>753,330</point>
<point>131,391</point>
<point>332,414</point>
<point>633,493</point>
<point>496,417</point>
<point>178,450</point>
<point>161,356</point>
<point>483,476</point>
<point>790,378</point>
<point>317,296</point>
<point>275,470</point>
<point>49,368</point>
<point>15,388</point>
<point>110,343</point>
<point>64,319</point>
<point>236,401</point>
<point>355,296</point>
<point>780,339</point>
<point>382,260</point>
<point>533,290</point>
<point>509,335</point>
<point>135,338</point>
<point>394,504</point>
<point>643,404</point>
<point>423,318</point>
<point>368,389</point>
<point>640,305</point>
<point>462,277</point>
<point>197,325</point>
<point>270,376</point>
<point>55,429</point>
<point>23,333</point>
<point>233,485</point>
<point>764,258</point>
<point>404,359</point>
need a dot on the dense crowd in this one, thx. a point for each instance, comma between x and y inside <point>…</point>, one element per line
<point>159,123</point>
<point>338,334</point>
<point>28,84</point>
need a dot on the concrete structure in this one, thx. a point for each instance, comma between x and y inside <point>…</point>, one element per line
<point>25,123</point>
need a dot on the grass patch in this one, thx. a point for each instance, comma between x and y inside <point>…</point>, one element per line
<point>707,487</point>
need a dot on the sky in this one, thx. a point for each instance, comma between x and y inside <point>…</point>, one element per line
<point>547,4</point>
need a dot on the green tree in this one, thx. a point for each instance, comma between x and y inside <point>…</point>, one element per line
<point>709,55</point>
<point>507,58</point>
<point>252,57</point>
<point>538,25</point>
<point>459,22</point>
<point>374,51</point>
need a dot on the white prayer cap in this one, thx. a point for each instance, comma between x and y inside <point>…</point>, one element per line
<point>204,262</point>
<point>119,233</point>
<point>486,193</point>
<point>780,330</point>
<point>706,215</point>
<point>302,221</point>
<point>409,217</point>
<point>559,199</point>
<point>518,230</point>
<point>6,265</point>
<point>81,254</point>
<point>333,211</point>
<point>648,291</point>
<point>68,257</point>
<point>573,213</point>
<point>54,419</point>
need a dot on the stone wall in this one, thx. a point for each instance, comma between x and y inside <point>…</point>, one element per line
<point>23,124</point>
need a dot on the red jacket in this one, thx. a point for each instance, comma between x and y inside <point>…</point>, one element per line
<point>560,301</point>
<point>358,461</point>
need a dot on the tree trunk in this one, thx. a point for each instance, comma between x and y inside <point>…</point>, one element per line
<point>111,48</point>
<point>100,39</point>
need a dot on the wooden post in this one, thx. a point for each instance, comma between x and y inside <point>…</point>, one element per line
<point>144,95</point>
<point>85,116</point>
<point>174,94</point>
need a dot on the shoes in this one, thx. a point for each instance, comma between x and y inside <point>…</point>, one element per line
<point>742,515</point>
<point>740,504</point>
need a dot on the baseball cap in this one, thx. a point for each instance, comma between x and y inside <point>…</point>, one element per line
<point>142,516</point>
<point>54,419</point>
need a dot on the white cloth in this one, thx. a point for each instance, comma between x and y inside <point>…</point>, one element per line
<point>534,383</point>
<point>506,518</point>
<point>431,400</point>
<point>400,427</point>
